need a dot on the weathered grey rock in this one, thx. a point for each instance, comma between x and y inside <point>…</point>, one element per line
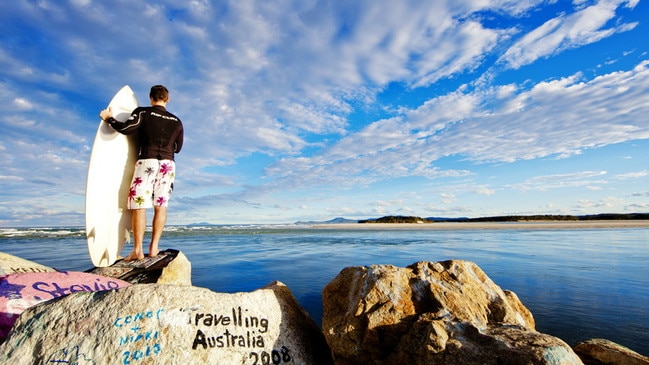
<point>169,267</point>
<point>177,272</point>
<point>10,264</point>
<point>432,313</point>
<point>604,352</point>
<point>164,324</point>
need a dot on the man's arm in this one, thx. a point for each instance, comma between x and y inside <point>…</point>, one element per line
<point>179,140</point>
<point>127,127</point>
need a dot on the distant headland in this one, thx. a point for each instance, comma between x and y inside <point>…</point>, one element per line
<point>391,219</point>
<point>510,218</point>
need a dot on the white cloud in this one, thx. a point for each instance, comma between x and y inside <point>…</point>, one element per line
<point>601,205</point>
<point>583,27</point>
<point>594,188</point>
<point>577,179</point>
<point>637,207</point>
<point>22,104</point>
<point>557,119</point>
<point>632,175</point>
<point>447,198</point>
<point>485,191</point>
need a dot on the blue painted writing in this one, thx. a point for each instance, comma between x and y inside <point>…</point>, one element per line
<point>138,336</point>
<point>137,317</point>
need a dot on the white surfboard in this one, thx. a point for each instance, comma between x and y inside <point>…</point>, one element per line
<point>113,156</point>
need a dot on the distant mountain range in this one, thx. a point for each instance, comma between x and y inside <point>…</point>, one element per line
<point>338,220</point>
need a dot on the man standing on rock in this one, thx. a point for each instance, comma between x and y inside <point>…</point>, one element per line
<point>160,137</point>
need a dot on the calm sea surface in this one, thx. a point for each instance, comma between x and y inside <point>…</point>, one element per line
<point>578,283</point>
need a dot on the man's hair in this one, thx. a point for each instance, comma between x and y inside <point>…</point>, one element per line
<point>159,93</point>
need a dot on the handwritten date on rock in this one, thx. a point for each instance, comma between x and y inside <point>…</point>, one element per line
<point>275,357</point>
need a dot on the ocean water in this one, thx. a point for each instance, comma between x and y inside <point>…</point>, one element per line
<point>578,283</point>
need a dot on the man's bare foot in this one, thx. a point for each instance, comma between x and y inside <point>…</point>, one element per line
<point>134,256</point>
<point>153,250</point>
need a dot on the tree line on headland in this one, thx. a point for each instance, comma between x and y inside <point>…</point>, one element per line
<point>509,218</point>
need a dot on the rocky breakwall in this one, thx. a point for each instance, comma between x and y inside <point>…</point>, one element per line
<point>428,313</point>
<point>164,324</point>
<point>432,313</point>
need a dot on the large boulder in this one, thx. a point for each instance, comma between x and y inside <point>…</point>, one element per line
<point>165,324</point>
<point>604,352</point>
<point>447,312</point>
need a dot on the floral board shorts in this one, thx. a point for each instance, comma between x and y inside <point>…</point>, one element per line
<point>153,181</point>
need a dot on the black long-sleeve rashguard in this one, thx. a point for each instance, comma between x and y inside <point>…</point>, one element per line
<point>160,133</point>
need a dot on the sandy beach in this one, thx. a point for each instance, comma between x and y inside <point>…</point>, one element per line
<point>492,225</point>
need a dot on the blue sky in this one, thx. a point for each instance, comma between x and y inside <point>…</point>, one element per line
<point>310,110</point>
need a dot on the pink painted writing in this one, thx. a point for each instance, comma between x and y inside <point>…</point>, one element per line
<point>56,290</point>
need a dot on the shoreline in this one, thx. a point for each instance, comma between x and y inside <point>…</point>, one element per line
<point>594,224</point>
